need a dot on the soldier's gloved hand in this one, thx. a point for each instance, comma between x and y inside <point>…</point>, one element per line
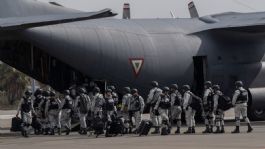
<point>17,115</point>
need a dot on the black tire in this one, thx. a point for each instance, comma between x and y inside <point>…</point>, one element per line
<point>256,114</point>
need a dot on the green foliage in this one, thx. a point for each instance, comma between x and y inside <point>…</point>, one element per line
<point>13,83</point>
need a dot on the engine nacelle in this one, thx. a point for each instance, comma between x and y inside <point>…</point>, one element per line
<point>256,109</point>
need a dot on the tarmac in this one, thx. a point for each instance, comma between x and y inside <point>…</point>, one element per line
<point>254,140</point>
<point>243,140</point>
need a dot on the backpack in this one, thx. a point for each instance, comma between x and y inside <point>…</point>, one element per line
<point>224,103</point>
<point>210,103</point>
<point>156,95</point>
<point>83,104</point>
<point>196,102</point>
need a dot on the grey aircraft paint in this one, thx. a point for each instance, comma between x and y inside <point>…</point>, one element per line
<point>222,48</point>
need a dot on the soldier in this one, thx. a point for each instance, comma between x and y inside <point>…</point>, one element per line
<point>44,118</point>
<point>114,94</point>
<point>189,111</point>
<point>36,105</point>
<point>83,106</point>
<point>124,108</point>
<point>219,112</point>
<point>163,105</point>
<point>208,107</point>
<point>98,103</point>
<point>38,99</point>
<point>25,108</point>
<point>136,108</point>
<point>91,87</point>
<point>152,98</point>
<point>67,107</point>
<point>176,106</point>
<point>53,113</point>
<point>240,102</point>
<point>110,105</point>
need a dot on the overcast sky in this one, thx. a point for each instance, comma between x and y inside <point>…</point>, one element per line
<point>162,8</point>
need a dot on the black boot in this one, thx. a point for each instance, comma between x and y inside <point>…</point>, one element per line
<point>211,129</point>
<point>68,130</point>
<point>46,131</point>
<point>157,131</point>
<point>222,129</point>
<point>26,134</point>
<point>84,131</point>
<point>52,132</point>
<point>130,130</point>
<point>59,131</point>
<point>217,130</point>
<point>250,129</point>
<point>177,131</point>
<point>207,130</point>
<point>189,131</point>
<point>193,130</point>
<point>126,131</point>
<point>236,130</point>
<point>23,132</point>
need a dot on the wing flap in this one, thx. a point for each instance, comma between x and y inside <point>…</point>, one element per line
<point>239,22</point>
<point>16,23</point>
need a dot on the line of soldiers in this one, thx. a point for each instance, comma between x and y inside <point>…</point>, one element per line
<point>166,107</point>
<point>169,104</point>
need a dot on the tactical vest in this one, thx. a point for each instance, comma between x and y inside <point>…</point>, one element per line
<point>26,105</point>
<point>110,104</point>
<point>210,103</point>
<point>54,105</point>
<point>165,103</point>
<point>68,103</point>
<point>177,100</point>
<point>115,97</point>
<point>44,104</point>
<point>243,96</point>
<point>99,103</point>
<point>37,101</point>
<point>83,104</point>
<point>135,104</point>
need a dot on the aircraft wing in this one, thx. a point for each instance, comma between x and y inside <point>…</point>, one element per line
<point>15,23</point>
<point>239,22</point>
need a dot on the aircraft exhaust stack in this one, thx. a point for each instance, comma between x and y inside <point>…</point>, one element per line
<point>126,11</point>
<point>193,10</point>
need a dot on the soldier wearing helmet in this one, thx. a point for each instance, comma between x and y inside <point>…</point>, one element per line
<point>44,118</point>
<point>110,106</point>
<point>208,107</point>
<point>163,105</point>
<point>115,95</point>
<point>38,98</point>
<point>219,113</point>
<point>97,103</point>
<point>240,102</point>
<point>136,108</point>
<point>124,108</point>
<point>176,106</point>
<point>25,108</point>
<point>53,112</point>
<point>67,105</point>
<point>152,98</point>
<point>190,110</point>
<point>83,104</point>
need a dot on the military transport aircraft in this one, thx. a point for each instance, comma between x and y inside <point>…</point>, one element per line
<point>60,46</point>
